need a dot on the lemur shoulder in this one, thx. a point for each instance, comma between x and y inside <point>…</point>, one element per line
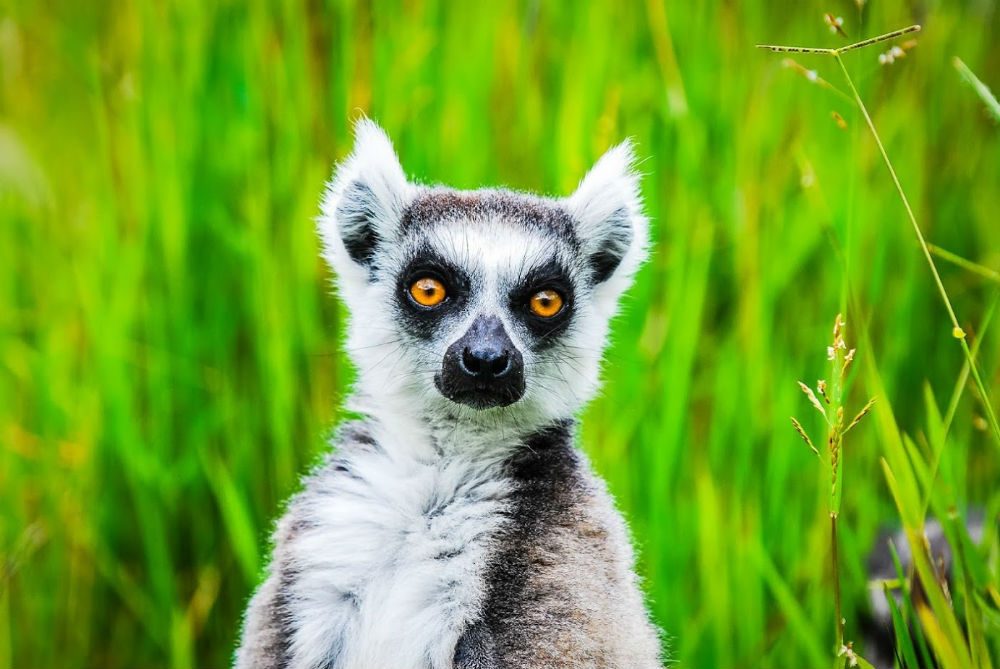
<point>455,525</point>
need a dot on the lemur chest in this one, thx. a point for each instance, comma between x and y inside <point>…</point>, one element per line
<point>393,559</point>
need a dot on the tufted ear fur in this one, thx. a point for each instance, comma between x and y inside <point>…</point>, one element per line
<point>608,212</point>
<point>363,202</point>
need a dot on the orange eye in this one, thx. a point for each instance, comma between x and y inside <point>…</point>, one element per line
<point>546,303</point>
<point>427,292</point>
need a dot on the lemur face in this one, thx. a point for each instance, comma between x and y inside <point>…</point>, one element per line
<point>480,304</point>
<point>490,284</point>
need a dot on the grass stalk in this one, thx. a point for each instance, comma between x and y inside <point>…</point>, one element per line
<point>828,400</point>
<point>778,48</point>
<point>957,330</point>
<point>835,564</point>
<point>965,263</point>
<point>956,394</point>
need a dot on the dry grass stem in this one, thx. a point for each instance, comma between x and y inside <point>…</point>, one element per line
<point>779,48</point>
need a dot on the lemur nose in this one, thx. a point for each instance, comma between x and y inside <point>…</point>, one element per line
<point>486,363</point>
<point>484,368</point>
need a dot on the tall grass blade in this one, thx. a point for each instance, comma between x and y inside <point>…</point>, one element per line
<point>901,633</point>
<point>981,89</point>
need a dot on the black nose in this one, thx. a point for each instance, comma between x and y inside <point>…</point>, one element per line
<point>483,368</point>
<point>485,362</point>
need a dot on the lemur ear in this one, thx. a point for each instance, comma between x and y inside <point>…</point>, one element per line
<point>365,199</point>
<point>608,212</point>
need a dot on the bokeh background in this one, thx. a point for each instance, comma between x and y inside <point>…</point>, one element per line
<point>169,345</point>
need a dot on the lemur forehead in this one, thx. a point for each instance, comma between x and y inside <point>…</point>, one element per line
<point>442,204</point>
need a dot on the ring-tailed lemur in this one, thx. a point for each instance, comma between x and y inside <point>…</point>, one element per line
<point>455,524</point>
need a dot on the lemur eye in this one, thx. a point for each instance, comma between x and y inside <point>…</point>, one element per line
<point>546,303</point>
<point>427,292</point>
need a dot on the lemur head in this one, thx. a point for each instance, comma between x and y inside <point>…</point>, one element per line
<point>481,305</point>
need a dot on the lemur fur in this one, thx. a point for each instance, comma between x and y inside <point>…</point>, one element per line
<point>455,525</point>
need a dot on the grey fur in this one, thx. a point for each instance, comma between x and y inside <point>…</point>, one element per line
<point>562,592</point>
<point>266,628</point>
<point>438,204</point>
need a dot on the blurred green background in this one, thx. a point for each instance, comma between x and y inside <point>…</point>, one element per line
<point>169,349</point>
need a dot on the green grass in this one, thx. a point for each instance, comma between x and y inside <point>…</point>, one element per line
<point>169,357</point>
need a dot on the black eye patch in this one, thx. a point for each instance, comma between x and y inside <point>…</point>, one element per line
<point>550,276</point>
<point>423,321</point>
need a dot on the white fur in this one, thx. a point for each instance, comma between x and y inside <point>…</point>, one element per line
<point>417,577</point>
<point>373,162</point>
<point>611,185</point>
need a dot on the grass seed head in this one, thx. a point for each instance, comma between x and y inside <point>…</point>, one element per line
<point>861,414</point>
<point>835,24</point>
<point>812,398</point>
<point>810,75</point>
<point>896,52</point>
<point>805,436</point>
<point>821,387</point>
<point>847,651</point>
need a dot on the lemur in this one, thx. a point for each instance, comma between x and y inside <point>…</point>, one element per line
<point>455,525</point>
